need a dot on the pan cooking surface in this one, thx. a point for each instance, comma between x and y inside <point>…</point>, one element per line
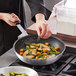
<point>33,39</point>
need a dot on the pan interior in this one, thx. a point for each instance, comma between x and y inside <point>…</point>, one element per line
<point>33,39</point>
<point>19,69</point>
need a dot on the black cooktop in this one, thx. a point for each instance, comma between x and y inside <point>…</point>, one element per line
<point>65,66</point>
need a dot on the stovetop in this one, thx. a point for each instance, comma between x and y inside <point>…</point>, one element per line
<point>65,66</point>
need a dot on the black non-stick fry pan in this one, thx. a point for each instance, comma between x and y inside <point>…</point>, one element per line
<point>54,41</point>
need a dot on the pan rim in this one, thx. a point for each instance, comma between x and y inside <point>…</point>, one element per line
<point>19,67</point>
<point>39,59</point>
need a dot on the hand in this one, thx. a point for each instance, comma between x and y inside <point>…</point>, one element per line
<point>43,30</point>
<point>9,18</point>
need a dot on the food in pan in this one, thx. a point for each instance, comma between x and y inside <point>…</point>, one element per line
<point>14,74</point>
<point>39,51</point>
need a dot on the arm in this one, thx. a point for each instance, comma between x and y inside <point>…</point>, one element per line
<point>42,27</point>
<point>37,6</point>
<point>39,13</point>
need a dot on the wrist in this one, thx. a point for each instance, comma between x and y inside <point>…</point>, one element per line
<point>40,17</point>
<point>1,16</point>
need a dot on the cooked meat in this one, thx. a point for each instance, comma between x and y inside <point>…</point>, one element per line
<point>32,46</point>
<point>29,56</point>
<point>30,53</point>
<point>26,52</point>
<point>33,51</point>
<point>50,56</point>
<point>42,46</point>
<point>43,57</point>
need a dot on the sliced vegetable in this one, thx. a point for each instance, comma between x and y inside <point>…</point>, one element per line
<point>36,57</point>
<point>4,75</point>
<point>47,44</point>
<point>28,44</point>
<point>38,53</point>
<point>27,47</point>
<point>53,49</point>
<point>11,73</point>
<point>14,74</point>
<point>21,53</point>
<point>38,38</point>
<point>24,74</point>
<point>44,53</point>
<point>30,48</point>
<point>45,50</point>
<point>53,53</point>
<point>32,44</point>
<point>56,48</point>
<point>21,50</point>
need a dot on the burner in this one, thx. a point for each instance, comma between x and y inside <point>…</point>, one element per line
<point>70,69</point>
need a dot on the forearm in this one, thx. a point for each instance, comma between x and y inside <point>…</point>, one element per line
<point>1,14</point>
<point>37,7</point>
<point>40,17</point>
<point>42,28</point>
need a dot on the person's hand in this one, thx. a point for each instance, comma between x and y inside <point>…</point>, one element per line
<point>43,30</point>
<point>42,27</point>
<point>9,18</point>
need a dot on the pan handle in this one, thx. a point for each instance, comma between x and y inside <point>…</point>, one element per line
<point>24,33</point>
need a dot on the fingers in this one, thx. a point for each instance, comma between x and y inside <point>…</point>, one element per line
<point>44,29</point>
<point>39,31</point>
<point>14,18</point>
<point>47,35</point>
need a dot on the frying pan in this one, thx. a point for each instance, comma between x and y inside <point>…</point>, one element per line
<point>54,41</point>
<point>20,69</point>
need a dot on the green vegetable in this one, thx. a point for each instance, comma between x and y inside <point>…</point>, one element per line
<point>4,75</point>
<point>39,55</point>
<point>53,49</point>
<point>53,53</point>
<point>25,74</point>
<point>30,48</point>
<point>11,73</point>
<point>38,38</point>
<point>15,74</point>
<point>28,44</point>
<point>20,74</point>
<point>31,44</point>
<point>29,54</point>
